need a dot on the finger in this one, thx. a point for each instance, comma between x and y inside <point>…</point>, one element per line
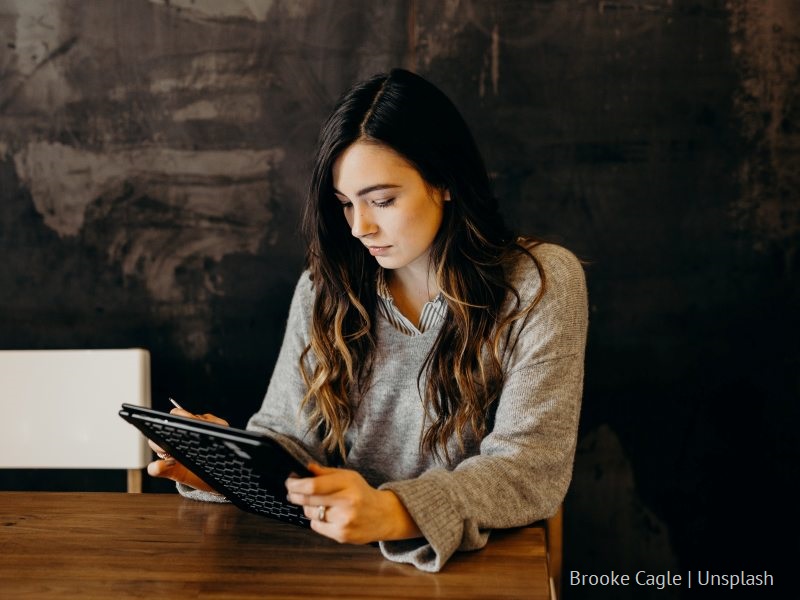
<point>315,486</point>
<point>156,448</point>
<point>312,513</point>
<point>163,468</point>
<point>182,413</point>
<point>314,500</point>
<point>318,469</point>
<point>328,481</point>
<point>332,531</point>
<point>204,417</point>
<point>160,452</point>
<point>172,469</point>
<point>213,419</point>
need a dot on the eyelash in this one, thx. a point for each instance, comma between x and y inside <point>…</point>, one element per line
<point>378,204</point>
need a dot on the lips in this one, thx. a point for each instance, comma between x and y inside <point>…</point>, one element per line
<point>378,250</point>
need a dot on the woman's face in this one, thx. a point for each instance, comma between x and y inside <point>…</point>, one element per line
<point>388,205</point>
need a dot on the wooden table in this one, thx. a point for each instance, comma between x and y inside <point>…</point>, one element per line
<point>116,545</point>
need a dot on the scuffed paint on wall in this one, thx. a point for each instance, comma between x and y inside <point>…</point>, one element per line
<point>35,44</point>
<point>765,39</point>
<point>65,180</point>
<point>255,10</point>
<point>154,213</point>
<point>119,127</point>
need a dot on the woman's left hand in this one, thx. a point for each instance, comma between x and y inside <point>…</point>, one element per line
<point>354,512</point>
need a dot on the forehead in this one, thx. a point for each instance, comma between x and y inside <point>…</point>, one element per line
<point>363,164</point>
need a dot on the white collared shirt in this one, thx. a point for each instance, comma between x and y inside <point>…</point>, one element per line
<point>433,312</point>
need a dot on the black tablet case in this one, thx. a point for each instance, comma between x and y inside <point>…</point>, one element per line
<point>247,468</point>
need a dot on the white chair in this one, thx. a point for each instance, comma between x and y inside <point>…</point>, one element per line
<point>59,410</point>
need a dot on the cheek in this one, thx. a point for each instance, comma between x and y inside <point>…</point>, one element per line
<point>412,228</point>
<point>433,222</point>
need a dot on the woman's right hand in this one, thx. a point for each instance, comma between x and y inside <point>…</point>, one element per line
<point>169,468</point>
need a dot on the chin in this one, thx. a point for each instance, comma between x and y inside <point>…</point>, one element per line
<point>387,262</point>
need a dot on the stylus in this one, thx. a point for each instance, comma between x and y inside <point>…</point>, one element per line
<point>176,405</point>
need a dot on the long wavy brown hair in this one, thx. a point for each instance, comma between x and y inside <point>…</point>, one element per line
<point>462,377</point>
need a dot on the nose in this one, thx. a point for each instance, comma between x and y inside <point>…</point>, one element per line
<point>362,224</point>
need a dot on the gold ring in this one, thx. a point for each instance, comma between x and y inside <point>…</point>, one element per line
<point>321,512</point>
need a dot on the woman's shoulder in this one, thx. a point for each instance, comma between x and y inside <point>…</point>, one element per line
<point>305,285</point>
<point>304,292</point>
<point>564,302</point>
<point>560,267</point>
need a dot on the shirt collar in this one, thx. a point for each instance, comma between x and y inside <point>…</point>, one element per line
<point>382,288</point>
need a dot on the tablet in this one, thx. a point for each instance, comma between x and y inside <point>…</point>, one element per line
<point>248,468</point>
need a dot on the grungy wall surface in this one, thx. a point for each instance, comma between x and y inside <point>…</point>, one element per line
<point>153,163</point>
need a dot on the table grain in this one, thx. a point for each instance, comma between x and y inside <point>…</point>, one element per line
<point>116,545</point>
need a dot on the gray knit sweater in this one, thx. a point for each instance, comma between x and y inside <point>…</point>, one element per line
<point>518,473</point>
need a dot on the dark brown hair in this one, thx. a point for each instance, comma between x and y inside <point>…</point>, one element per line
<point>462,376</point>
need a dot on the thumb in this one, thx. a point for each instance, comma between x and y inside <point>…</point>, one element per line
<point>317,469</point>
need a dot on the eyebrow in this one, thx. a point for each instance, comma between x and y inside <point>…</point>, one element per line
<point>371,188</point>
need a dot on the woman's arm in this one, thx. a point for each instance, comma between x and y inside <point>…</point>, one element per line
<point>524,466</point>
<point>280,413</point>
<point>277,417</point>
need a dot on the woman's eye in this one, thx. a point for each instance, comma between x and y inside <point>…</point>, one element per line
<point>383,203</point>
<point>346,205</point>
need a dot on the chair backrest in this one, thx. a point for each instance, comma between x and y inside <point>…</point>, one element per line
<point>60,408</point>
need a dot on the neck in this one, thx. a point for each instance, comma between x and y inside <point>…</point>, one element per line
<point>411,289</point>
<point>414,282</point>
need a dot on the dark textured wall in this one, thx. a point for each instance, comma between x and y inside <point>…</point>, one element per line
<point>153,160</point>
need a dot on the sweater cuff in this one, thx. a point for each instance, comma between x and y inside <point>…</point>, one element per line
<point>199,495</point>
<point>436,517</point>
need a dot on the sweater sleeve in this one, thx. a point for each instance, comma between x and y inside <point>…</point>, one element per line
<point>524,465</point>
<point>278,416</point>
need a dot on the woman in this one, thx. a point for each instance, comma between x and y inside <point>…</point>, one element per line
<point>432,365</point>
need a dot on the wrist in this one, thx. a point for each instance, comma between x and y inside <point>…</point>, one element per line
<point>399,524</point>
